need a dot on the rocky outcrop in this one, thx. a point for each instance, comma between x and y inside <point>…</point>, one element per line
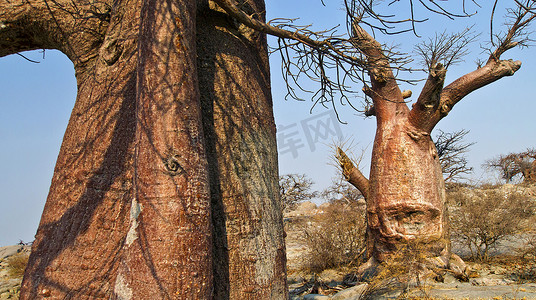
<point>10,284</point>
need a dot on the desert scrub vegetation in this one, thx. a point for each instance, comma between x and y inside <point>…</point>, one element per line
<point>17,264</point>
<point>336,237</point>
<point>408,270</point>
<point>481,218</point>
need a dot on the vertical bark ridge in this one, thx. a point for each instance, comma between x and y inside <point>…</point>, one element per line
<point>239,127</point>
<point>169,246</point>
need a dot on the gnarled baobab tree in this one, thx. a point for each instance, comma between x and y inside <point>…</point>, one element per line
<point>166,182</point>
<point>405,193</point>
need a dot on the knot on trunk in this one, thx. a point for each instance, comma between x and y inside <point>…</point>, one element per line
<point>173,165</point>
<point>111,50</point>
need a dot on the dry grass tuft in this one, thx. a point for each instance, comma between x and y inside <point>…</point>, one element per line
<point>17,264</point>
<point>335,238</point>
<point>408,269</point>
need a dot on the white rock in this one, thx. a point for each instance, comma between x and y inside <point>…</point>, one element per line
<point>352,293</point>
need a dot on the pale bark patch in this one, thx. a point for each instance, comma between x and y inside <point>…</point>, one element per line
<point>121,288</point>
<point>135,210</point>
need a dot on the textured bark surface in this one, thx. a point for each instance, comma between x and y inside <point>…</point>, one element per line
<point>249,245</point>
<point>406,200</point>
<point>130,207</point>
<point>168,247</point>
<point>83,226</point>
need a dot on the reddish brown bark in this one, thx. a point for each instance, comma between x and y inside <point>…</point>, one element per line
<point>168,247</point>
<point>240,134</point>
<point>128,215</point>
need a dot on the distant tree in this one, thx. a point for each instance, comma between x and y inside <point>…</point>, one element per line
<point>341,190</point>
<point>520,165</point>
<point>295,188</point>
<point>450,150</point>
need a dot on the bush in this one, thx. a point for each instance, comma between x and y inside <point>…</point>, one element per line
<point>407,270</point>
<point>482,218</point>
<point>335,238</point>
<point>17,264</point>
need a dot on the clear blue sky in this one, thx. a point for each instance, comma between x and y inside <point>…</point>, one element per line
<point>36,101</point>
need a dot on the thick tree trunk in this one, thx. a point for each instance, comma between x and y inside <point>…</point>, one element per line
<point>128,215</point>
<point>406,196</point>
<point>78,245</point>
<point>249,250</point>
<point>168,248</point>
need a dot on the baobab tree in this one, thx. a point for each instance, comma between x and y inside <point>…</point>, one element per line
<point>166,182</point>
<point>405,193</point>
<point>514,165</point>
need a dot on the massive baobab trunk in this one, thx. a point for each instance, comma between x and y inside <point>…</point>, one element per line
<point>155,195</point>
<point>405,193</point>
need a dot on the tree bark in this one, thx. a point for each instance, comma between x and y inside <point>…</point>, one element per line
<point>81,234</point>
<point>130,210</point>
<point>169,243</point>
<point>249,250</point>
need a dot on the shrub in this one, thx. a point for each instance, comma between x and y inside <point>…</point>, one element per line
<point>407,270</point>
<point>335,238</point>
<point>482,218</point>
<point>17,264</point>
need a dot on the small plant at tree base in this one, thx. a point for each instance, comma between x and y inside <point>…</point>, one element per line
<point>480,219</point>
<point>407,270</point>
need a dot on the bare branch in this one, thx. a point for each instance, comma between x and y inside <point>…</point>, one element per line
<point>428,101</point>
<point>352,174</point>
<point>447,49</point>
<point>516,35</point>
<point>301,35</point>
<point>454,92</point>
<point>450,150</point>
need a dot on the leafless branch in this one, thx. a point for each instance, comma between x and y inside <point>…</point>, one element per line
<point>337,62</point>
<point>352,174</point>
<point>450,150</point>
<point>517,34</point>
<point>444,48</point>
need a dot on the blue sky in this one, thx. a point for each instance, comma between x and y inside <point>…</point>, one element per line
<point>36,101</point>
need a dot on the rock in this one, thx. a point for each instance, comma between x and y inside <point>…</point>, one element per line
<point>497,270</point>
<point>8,251</point>
<point>316,297</point>
<point>331,277</point>
<point>353,293</point>
<point>306,206</point>
<point>324,206</point>
<point>449,278</point>
<point>490,281</point>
